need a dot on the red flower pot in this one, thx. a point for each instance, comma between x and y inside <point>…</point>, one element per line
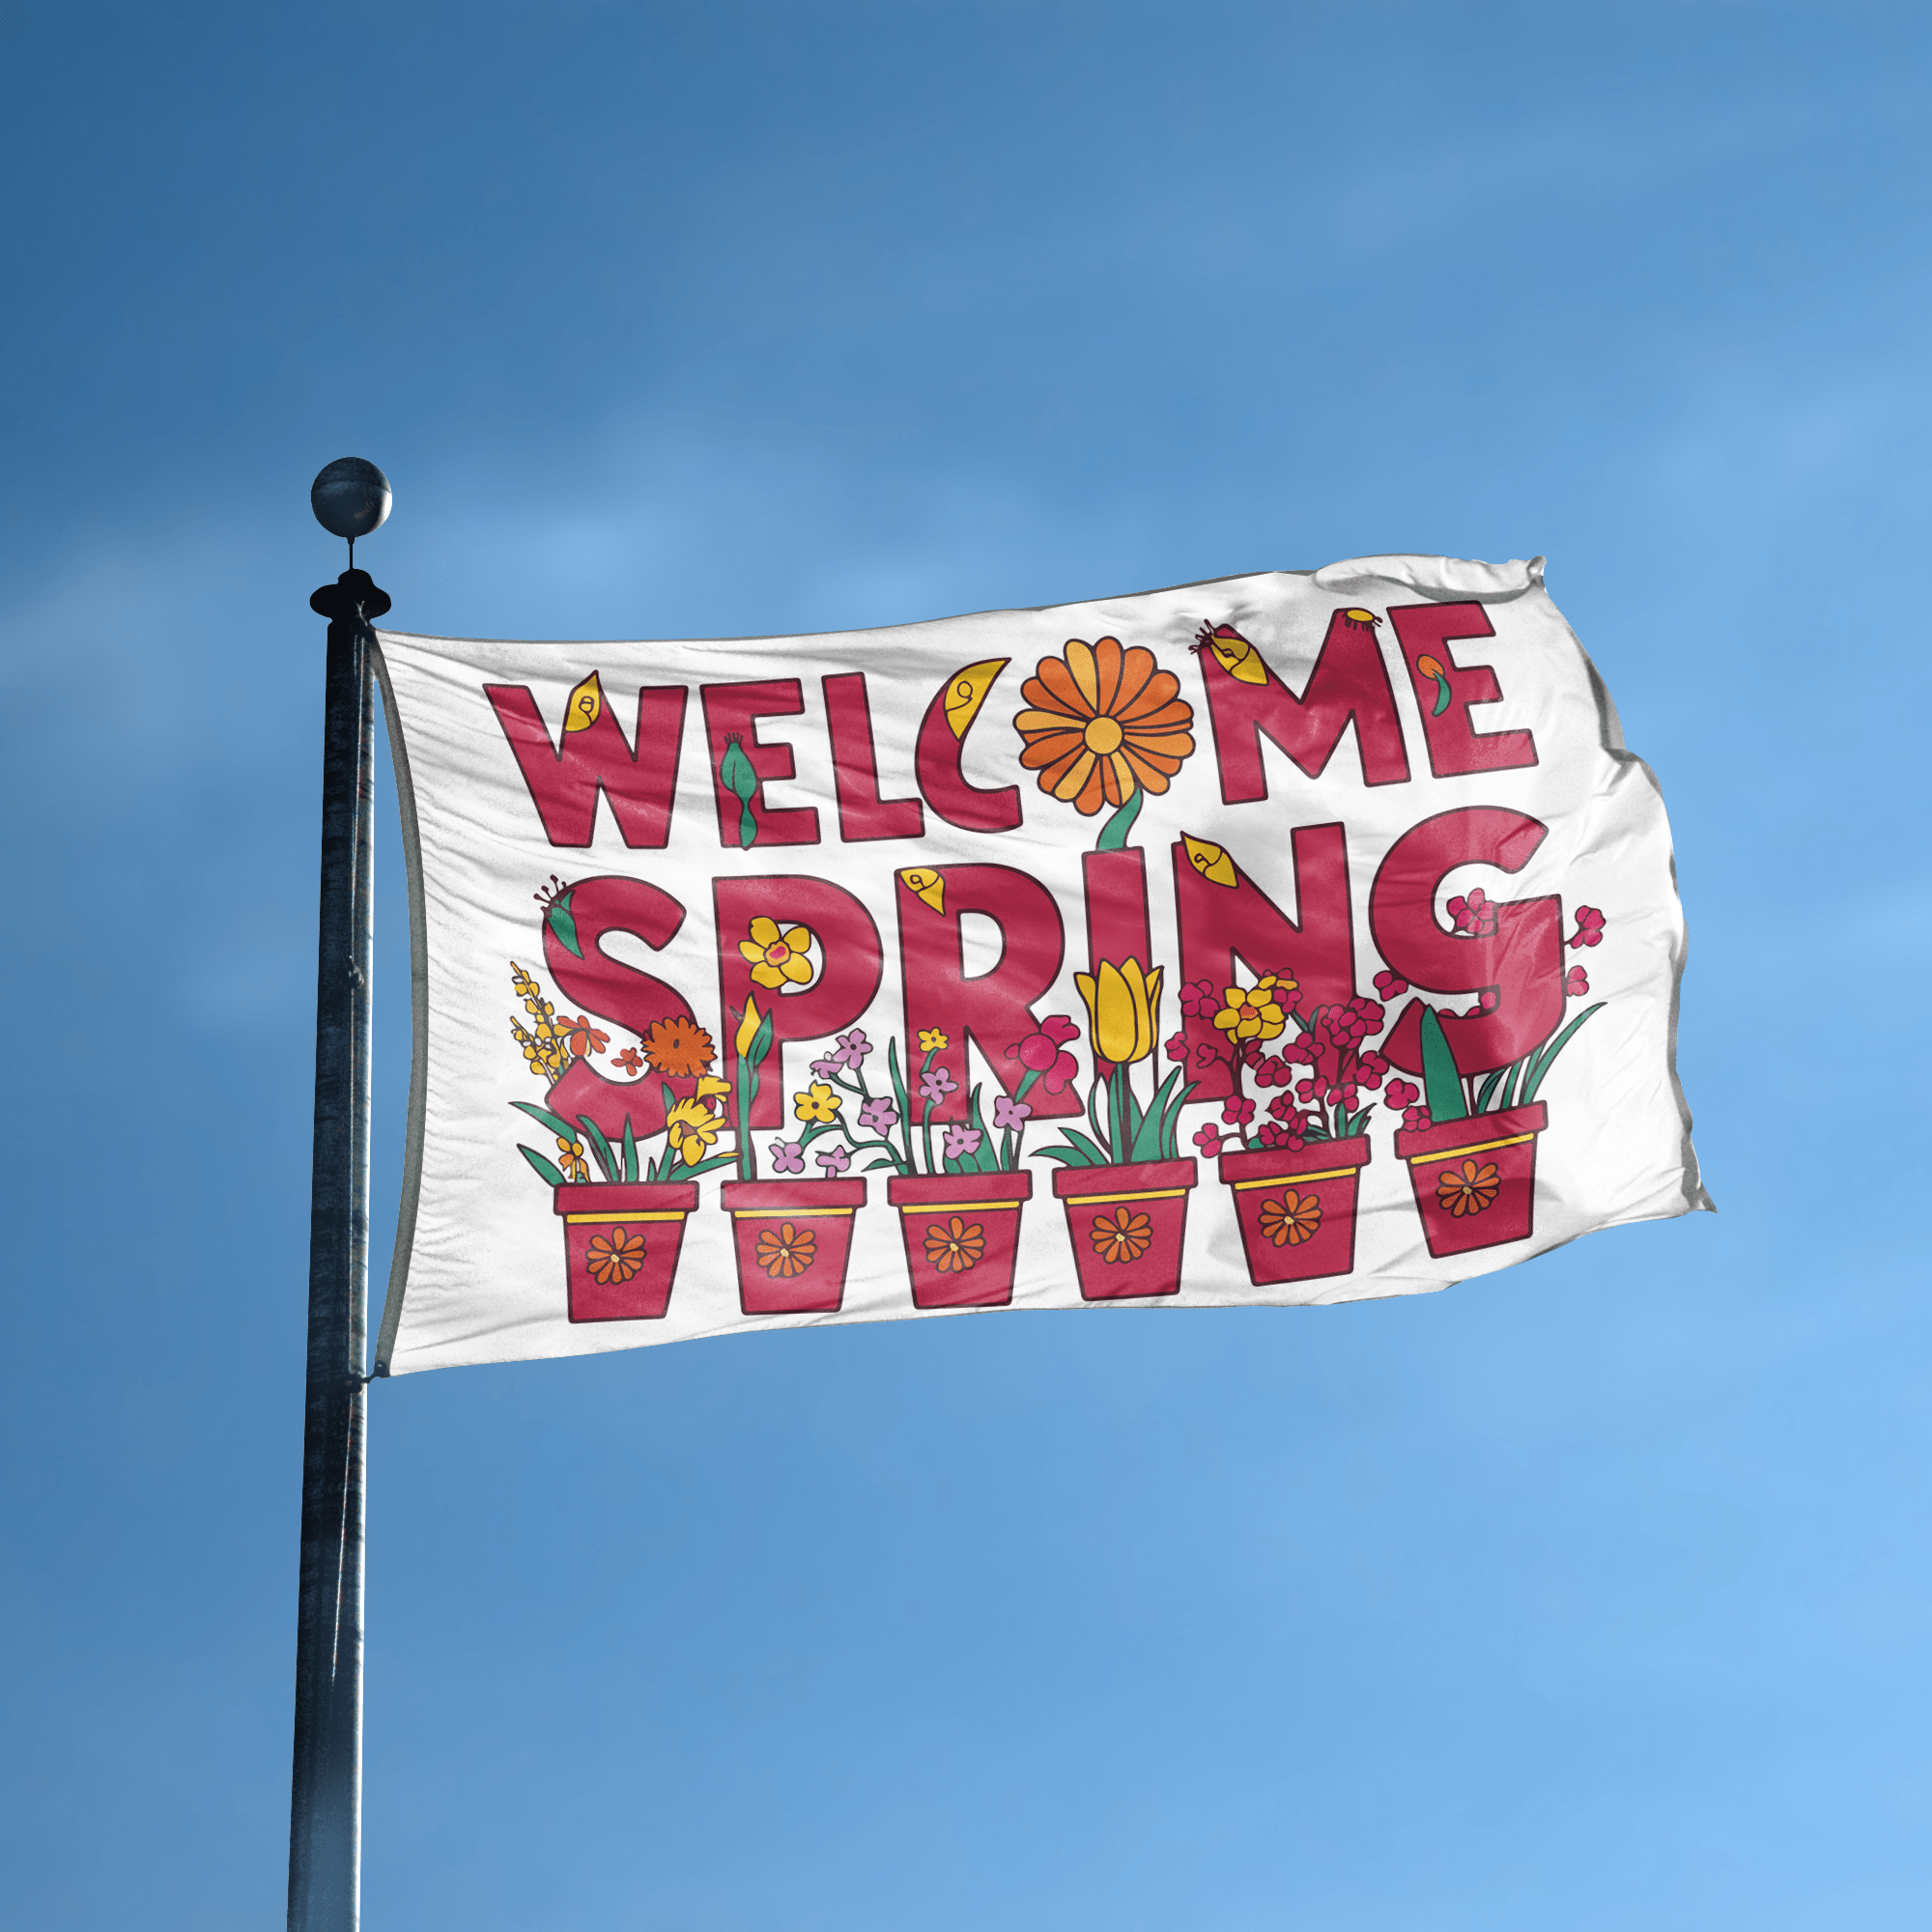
<point>793,1239</point>
<point>1475,1179</point>
<point>621,1244</point>
<point>1297,1210</point>
<point>1126,1222</point>
<point>961,1232</point>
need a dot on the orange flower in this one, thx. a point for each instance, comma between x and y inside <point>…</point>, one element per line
<point>1104,721</point>
<point>786,1251</point>
<point>1293,1219</point>
<point>679,1047</point>
<point>581,1037</point>
<point>1122,1235</point>
<point>1468,1188</point>
<point>616,1256</point>
<point>955,1248</point>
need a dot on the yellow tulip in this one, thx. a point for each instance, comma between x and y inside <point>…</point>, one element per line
<point>747,1027</point>
<point>1122,1004</point>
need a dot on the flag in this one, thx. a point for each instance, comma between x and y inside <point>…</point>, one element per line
<point>1294,938</point>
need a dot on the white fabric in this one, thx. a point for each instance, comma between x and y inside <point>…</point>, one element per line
<point>480,1273</point>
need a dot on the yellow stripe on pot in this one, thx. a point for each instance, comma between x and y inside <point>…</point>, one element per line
<point>1480,1147</point>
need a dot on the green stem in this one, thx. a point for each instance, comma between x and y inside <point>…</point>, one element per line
<point>1114,834</point>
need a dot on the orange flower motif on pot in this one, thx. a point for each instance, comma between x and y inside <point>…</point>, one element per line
<point>785,1251</point>
<point>1104,722</point>
<point>1293,1219</point>
<point>616,1256</point>
<point>1122,1235</point>
<point>1467,1187</point>
<point>955,1246</point>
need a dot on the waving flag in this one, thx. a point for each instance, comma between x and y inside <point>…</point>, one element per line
<point>1293,938</point>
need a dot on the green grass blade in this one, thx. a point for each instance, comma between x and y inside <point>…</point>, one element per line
<point>1550,1052</point>
<point>547,1170</point>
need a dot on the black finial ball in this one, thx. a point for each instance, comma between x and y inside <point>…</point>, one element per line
<point>351,498</point>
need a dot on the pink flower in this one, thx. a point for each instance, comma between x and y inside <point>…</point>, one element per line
<point>1040,1053</point>
<point>1009,1113</point>
<point>1283,1108</point>
<point>787,1157</point>
<point>1576,984</point>
<point>1486,1003</point>
<point>962,1141</point>
<point>1238,1112</point>
<point>833,1160</point>
<point>1200,999</point>
<point>1589,927</point>
<point>935,1083</point>
<point>1391,985</point>
<point>1309,1090</point>
<point>1415,1119</point>
<point>1370,1069</point>
<point>1177,1046</point>
<point>1401,1094</point>
<point>1271,1136</point>
<point>1475,915</point>
<point>1208,1141</point>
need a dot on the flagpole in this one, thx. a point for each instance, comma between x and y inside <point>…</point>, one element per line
<point>325,1806</point>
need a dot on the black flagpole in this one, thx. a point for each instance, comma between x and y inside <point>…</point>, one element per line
<point>351,499</point>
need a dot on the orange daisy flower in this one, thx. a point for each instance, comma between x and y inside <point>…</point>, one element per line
<point>1293,1219</point>
<point>1104,722</point>
<point>1122,1235</point>
<point>679,1047</point>
<point>616,1256</point>
<point>785,1251</point>
<point>955,1248</point>
<point>1469,1188</point>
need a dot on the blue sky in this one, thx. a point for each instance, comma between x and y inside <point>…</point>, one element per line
<point>1593,1594</point>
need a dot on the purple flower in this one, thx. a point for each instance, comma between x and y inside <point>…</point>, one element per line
<point>1391,985</point>
<point>962,1141</point>
<point>1208,1141</point>
<point>833,1160</point>
<point>880,1114</point>
<point>854,1047</point>
<point>935,1083</point>
<point>1009,1113</point>
<point>831,1064</point>
<point>787,1157</point>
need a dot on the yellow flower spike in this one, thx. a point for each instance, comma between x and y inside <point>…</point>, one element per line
<point>580,709</point>
<point>1234,653</point>
<point>748,1028</point>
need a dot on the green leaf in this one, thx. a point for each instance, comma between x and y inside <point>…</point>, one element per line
<point>1550,1052</point>
<point>1114,834</point>
<point>1079,1150</point>
<point>630,1151</point>
<point>1442,699</point>
<point>984,1160</point>
<point>1094,1114</point>
<point>748,827</point>
<point>564,925</point>
<point>547,1170</point>
<point>761,1042</point>
<point>873,1166</point>
<point>1357,1121</point>
<point>1489,1087</point>
<point>556,1123</point>
<point>598,1147</point>
<point>704,1166</point>
<point>1439,1077</point>
<point>1514,1072</point>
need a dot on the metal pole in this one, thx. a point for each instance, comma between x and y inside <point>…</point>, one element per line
<point>325,1821</point>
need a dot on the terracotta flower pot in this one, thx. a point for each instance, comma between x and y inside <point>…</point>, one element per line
<point>621,1244</point>
<point>1297,1210</point>
<point>793,1239</point>
<point>1475,1179</point>
<point>1126,1222</point>
<point>961,1232</point>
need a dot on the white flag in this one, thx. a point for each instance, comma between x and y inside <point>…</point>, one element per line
<point>1292,938</point>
